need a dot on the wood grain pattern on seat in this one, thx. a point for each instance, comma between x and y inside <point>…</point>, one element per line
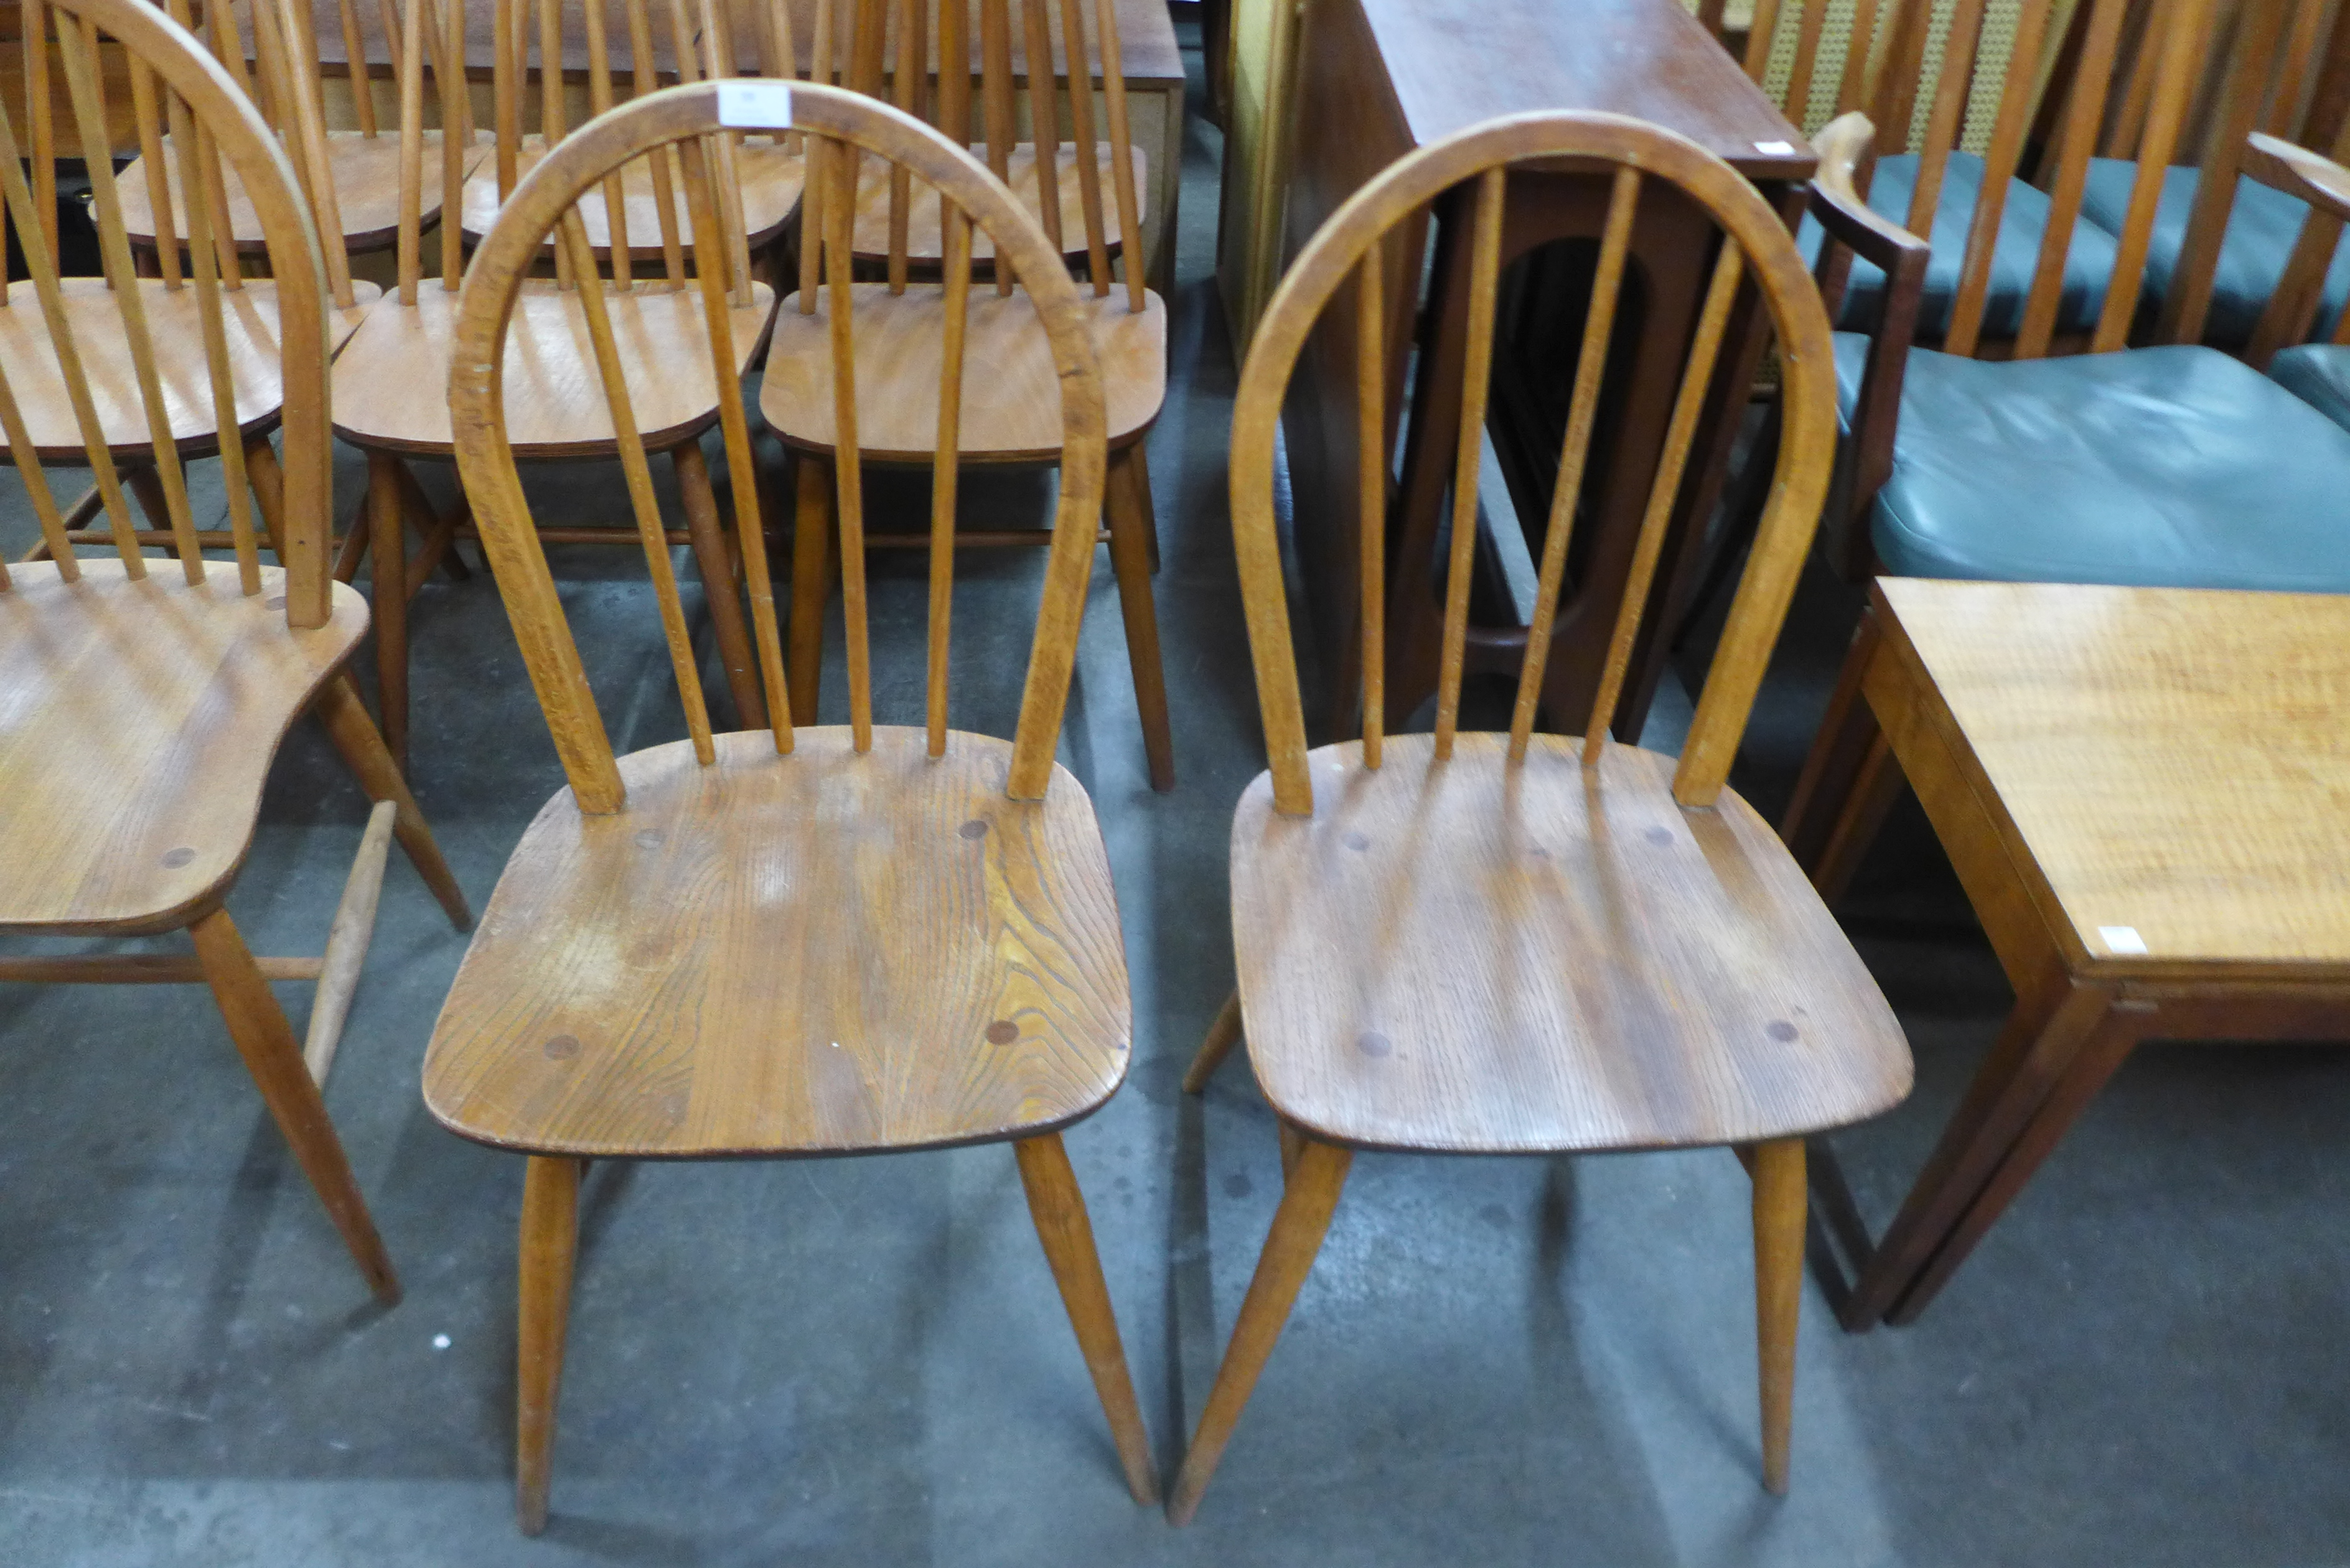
<point>771,180</point>
<point>1467,956</point>
<point>2171,760</point>
<point>388,386</point>
<point>249,316</point>
<point>1020,170</point>
<point>367,191</point>
<point>138,720</point>
<point>1011,400</point>
<point>819,952</point>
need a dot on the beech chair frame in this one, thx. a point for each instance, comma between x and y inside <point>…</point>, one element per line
<point>469,1053</point>
<point>224,733</point>
<point>1352,249</point>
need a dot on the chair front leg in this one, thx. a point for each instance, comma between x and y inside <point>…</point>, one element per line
<point>1058,1207</point>
<point>550,1239</point>
<point>811,579</point>
<point>1298,1227</point>
<point>1781,1206</point>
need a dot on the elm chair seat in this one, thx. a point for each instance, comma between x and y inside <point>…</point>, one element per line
<point>2263,228</point>
<point>2024,221</point>
<point>2319,375</point>
<point>2169,467</point>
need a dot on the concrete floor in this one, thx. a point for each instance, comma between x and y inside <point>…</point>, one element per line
<point>865,1362</point>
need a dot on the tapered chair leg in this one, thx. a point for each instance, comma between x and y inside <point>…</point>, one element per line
<point>811,579</point>
<point>550,1238</point>
<point>354,735</point>
<point>718,587</point>
<point>387,553</point>
<point>1780,1208</point>
<point>1223,1035</point>
<point>1129,558</point>
<point>1142,498</point>
<point>1059,1207</point>
<point>1298,1227</point>
<point>273,1057</point>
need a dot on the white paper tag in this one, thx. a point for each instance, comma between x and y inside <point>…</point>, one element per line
<point>746,103</point>
<point>2121,939</point>
<point>1775,148</point>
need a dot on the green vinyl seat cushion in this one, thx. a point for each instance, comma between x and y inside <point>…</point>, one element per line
<point>2263,228</point>
<point>2088,261</point>
<point>2174,467</point>
<point>2319,375</point>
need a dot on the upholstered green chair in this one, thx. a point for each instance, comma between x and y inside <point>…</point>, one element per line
<point>2172,464</point>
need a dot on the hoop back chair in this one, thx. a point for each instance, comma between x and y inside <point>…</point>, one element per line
<point>641,232</point>
<point>1531,943</point>
<point>173,337</point>
<point>927,65</point>
<point>351,176</point>
<point>626,56</point>
<point>146,698</point>
<point>845,940</point>
<point>908,323</point>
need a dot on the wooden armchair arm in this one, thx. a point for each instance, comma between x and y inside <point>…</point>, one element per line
<point>2325,184</point>
<point>1853,229</point>
<point>2297,172</point>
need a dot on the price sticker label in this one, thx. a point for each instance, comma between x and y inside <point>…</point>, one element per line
<point>746,103</point>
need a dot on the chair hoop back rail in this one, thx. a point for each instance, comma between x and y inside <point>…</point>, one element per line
<point>1352,247</point>
<point>842,126</point>
<point>120,348</point>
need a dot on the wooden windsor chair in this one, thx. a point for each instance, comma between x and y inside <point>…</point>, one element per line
<point>637,228</point>
<point>904,329</point>
<point>352,175</point>
<point>925,64</point>
<point>1528,943</point>
<point>2168,464</point>
<point>1931,171</point>
<point>171,351</point>
<point>794,941</point>
<point>144,706</point>
<point>626,55</point>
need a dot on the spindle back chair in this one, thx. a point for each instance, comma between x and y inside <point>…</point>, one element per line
<point>639,232</point>
<point>1954,163</point>
<point>853,921</point>
<point>906,325</point>
<point>147,700</point>
<point>352,176</point>
<point>153,364</point>
<point>1875,375</point>
<point>920,54</point>
<point>1528,942</point>
<point>625,49</point>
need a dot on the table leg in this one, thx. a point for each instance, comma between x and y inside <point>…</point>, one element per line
<point>2055,1018</point>
<point>2114,1035</point>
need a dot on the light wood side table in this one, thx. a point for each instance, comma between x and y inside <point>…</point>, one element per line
<point>2146,794</point>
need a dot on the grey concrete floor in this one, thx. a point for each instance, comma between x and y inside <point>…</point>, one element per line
<point>864,1361</point>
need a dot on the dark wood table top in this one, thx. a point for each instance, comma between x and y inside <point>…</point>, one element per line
<point>1455,64</point>
<point>1146,38</point>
